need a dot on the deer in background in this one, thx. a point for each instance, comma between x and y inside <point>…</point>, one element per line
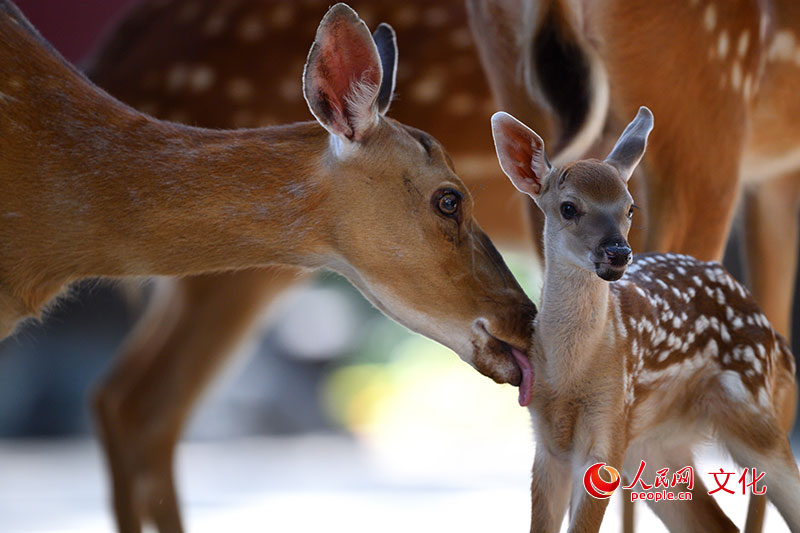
<point>720,75</point>
<point>640,362</point>
<point>92,187</point>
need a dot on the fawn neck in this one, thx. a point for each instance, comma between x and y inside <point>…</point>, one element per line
<point>572,318</point>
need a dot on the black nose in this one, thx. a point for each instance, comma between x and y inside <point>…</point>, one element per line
<point>618,255</point>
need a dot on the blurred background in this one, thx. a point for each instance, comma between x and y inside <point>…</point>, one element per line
<point>327,405</point>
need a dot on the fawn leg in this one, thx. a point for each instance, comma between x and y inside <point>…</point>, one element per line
<point>177,348</point>
<point>550,490</point>
<point>701,513</point>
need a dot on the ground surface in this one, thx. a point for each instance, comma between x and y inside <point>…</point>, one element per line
<point>317,483</point>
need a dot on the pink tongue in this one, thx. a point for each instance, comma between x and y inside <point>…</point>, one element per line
<point>526,383</point>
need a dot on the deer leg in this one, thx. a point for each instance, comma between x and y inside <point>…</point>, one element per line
<point>690,216</point>
<point>176,349</point>
<point>550,490</point>
<point>770,234</point>
<point>701,513</point>
<point>586,512</point>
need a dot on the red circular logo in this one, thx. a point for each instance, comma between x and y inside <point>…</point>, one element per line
<point>598,487</point>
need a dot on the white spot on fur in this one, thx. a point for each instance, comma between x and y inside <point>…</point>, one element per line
<point>722,44</point>
<point>744,41</point>
<point>763,24</point>
<point>710,17</point>
<point>202,78</point>
<point>724,334</point>
<point>251,29</point>
<point>731,382</point>
<point>429,88</point>
<point>711,350</point>
<point>782,47</point>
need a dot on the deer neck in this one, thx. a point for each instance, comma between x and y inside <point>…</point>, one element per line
<point>571,321</point>
<point>149,197</point>
<point>117,193</point>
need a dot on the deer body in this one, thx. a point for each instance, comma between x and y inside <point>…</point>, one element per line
<point>730,122</point>
<point>640,362</point>
<point>91,187</point>
<point>233,64</point>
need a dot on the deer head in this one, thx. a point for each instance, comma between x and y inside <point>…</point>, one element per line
<point>587,206</point>
<point>401,218</point>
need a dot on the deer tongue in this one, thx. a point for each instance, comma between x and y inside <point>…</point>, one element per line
<point>526,383</point>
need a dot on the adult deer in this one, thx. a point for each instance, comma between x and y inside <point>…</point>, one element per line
<point>229,64</point>
<point>719,75</point>
<point>92,187</point>
<point>672,352</point>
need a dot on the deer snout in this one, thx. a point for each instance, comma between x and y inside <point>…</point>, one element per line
<point>612,258</point>
<point>618,255</point>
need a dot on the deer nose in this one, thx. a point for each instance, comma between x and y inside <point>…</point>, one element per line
<point>618,255</point>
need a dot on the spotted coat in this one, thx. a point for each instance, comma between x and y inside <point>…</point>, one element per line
<point>681,316</point>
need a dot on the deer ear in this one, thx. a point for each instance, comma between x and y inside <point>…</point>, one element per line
<point>631,144</point>
<point>386,41</point>
<point>343,75</point>
<point>521,153</point>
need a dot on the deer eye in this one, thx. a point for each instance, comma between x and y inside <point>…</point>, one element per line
<point>569,211</point>
<point>448,202</point>
<point>630,213</point>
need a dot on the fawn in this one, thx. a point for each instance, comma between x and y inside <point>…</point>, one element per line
<point>640,358</point>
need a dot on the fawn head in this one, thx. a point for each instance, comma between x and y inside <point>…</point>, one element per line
<point>587,206</point>
<point>400,218</point>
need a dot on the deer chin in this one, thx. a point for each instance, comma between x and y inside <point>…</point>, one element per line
<point>609,272</point>
<point>502,362</point>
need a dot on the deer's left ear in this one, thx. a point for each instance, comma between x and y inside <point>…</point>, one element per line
<point>386,41</point>
<point>631,144</point>
<point>521,153</point>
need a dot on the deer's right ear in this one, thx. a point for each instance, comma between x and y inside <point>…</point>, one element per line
<point>631,145</point>
<point>343,75</point>
<point>521,153</point>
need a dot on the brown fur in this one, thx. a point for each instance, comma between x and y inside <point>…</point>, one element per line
<point>724,122</point>
<point>92,187</point>
<point>643,368</point>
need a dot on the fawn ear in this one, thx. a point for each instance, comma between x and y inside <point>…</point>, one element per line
<point>631,144</point>
<point>521,153</point>
<point>386,41</point>
<point>343,75</point>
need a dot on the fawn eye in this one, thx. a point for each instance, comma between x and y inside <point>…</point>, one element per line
<point>569,211</point>
<point>448,202</point>
<point>630,213</point>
